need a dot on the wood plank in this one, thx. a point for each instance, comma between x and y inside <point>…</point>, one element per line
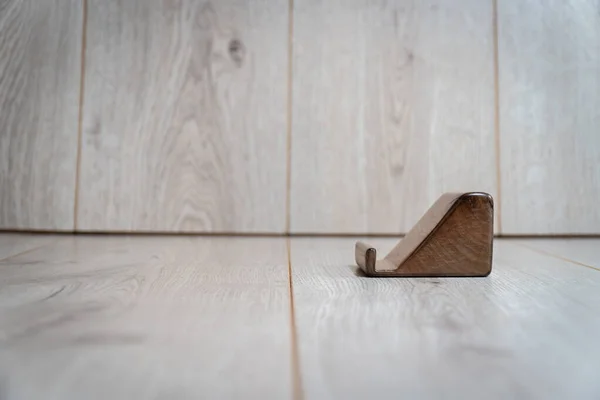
<point>147,317</point>
<point>549,75</point>
<point>185,116</point>
<point>40,65</point>
<point>580,250</point>
<point>393,105</point>
<point>12,244</point>
<point>529,330</point>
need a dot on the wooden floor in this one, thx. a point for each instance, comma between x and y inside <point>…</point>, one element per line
<point>150,317</point>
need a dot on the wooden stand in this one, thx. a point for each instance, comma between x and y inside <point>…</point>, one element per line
<point>454,238</point>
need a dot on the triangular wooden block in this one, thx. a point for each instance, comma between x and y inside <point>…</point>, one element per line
<point>454,238</point>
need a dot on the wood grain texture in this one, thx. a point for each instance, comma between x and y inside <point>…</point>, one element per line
<point>12,244</point>
<point>122,318</point>
<point>40,53</point>
<point>549,71</point>
<point>454,238</point>
<point>393,105</point>
<point>185,116</point>
<point>529,330</point>
<point>580,250</point>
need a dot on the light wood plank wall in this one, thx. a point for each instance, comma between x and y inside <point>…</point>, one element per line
<point>40,52</point>
<point>399,110</point>
<point>305,116</point>
<point>549,53</point>
<point>184,116</point>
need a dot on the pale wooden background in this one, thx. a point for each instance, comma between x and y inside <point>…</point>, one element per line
<point>306,116</point>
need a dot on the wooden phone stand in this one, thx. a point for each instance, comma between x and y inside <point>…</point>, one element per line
<point>453,238</point>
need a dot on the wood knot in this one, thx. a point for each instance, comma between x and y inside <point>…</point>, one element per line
<point>236,51</point>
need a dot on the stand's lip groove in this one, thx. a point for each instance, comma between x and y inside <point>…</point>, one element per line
<point>365,257</point>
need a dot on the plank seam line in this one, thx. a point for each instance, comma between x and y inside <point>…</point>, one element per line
<point>555,256</point>
<point>290,56</point>
<point>497,114</point>
<point>297,393</point>
<point>267,234</point>
<point>80,117</point>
